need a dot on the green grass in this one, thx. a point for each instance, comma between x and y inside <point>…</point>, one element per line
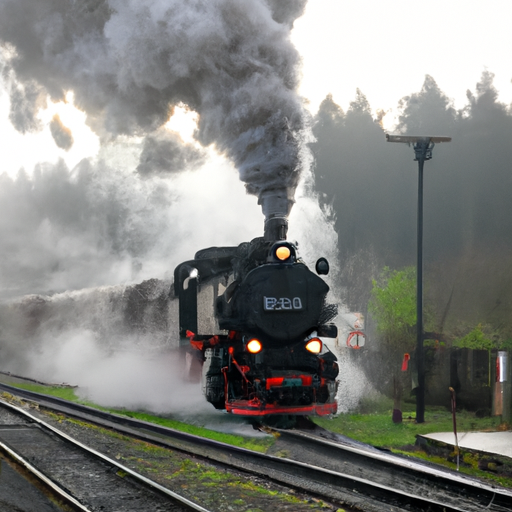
<point>66,393</point>
<point>255,444</point>
<point>379,430</point>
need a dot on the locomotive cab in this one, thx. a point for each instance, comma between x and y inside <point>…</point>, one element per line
<point>267,356</point>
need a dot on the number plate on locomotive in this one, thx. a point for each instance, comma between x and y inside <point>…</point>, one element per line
<point>282,304</point>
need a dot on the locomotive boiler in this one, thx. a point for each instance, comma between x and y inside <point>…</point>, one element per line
<point>253,321</point>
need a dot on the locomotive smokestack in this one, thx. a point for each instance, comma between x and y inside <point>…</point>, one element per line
<point>276,205</point>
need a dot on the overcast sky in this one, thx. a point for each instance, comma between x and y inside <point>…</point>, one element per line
<point>385,48</point>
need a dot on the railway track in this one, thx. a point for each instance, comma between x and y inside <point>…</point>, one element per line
<point>425,486</point>
<point>348,474</point>
<point>82,478</point>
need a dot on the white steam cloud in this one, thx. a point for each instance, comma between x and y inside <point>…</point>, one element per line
<point>116,378</point>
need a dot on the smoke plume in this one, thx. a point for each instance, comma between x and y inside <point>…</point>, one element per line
<point>129,62</point>
<point>164,152</point>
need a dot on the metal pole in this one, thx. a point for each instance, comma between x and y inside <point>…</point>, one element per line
<point>423,151</point>
<point>420,361</point>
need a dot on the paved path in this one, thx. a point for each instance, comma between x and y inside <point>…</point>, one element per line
<point>499,443</point>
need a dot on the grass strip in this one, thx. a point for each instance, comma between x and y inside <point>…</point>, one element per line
<point>378,429</point>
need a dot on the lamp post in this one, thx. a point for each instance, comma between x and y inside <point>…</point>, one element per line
<point>422,146</point>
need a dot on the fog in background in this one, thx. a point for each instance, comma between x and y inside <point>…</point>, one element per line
<point>372,186</point>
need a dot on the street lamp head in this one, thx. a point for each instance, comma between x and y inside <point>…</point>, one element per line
<point>412,139</point>
<point>422,144</point>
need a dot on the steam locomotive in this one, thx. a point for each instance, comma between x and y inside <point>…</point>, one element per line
<point>252,323</point>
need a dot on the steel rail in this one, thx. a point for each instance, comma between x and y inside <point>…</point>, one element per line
<point>405,463</point>
<point>333,483</point>
<point>146,481</point>
<point>48,482</point>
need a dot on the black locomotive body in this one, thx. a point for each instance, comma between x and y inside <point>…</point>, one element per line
<point>264,353</point>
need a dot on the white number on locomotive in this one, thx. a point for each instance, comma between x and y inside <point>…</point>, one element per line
<point>282,303</point>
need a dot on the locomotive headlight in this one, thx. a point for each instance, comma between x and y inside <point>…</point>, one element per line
<point>283,252</point>
<point>314,346</point>
<point>254,346</point>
